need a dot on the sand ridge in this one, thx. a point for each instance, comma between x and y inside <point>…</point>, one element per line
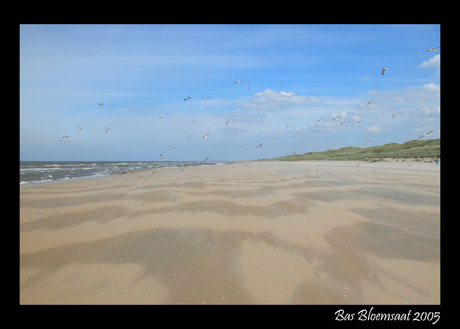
<point>257,232</point>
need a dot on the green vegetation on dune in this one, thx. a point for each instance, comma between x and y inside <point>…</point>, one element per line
<point>430,148</point>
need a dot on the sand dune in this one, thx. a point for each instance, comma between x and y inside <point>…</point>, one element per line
<point>256,232</point>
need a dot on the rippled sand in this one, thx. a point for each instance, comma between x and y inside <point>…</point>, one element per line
<point>256,232</point>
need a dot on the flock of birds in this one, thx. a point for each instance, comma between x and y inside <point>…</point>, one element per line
<point>335,118</point>
<point>65,138</point>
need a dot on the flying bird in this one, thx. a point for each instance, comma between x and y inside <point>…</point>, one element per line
<point>383,70</point>
<point>395,114</point>
<point>370,140</point>
<point>433,49</point>
<point>238,82</point>
<point>226,122</point>
<point>65,136</point>
<point>370,103</point>
<point>80,128</point>
<point>100,104</point>
<point>206,98</point>
<point>106,130</point>
<point>321,119</point>
<point>206,159</point>
<point>206,136</point>
<point>63,142</point>
<point>172,147</point>
<point>249,85</point>
<point>357,122</point>
<point>260,145</point>
<point>186,99</point>
<point>427,134</point>
<point>163,157</point>
<point>163,116</point>
<point>382,116</point>
<point>336,118</point>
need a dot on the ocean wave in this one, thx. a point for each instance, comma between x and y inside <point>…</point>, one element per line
<point>40,172</point>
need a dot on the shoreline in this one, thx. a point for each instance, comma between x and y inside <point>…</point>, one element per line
<point>32,172</point>
<point>257,232</point>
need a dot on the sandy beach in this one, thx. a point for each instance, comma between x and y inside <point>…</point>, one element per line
<point>306,232</point>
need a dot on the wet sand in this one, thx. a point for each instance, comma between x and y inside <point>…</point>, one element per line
<point>302,232</point>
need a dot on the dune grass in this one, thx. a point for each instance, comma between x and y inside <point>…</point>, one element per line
<point>430,148</point>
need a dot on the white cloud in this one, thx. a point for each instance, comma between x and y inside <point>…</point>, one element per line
<point>270,99</point>
<point>428,110</point>
<point>431,87</point>
<point>374,129</point>
<point>432,62</point>
<point>409,98</point>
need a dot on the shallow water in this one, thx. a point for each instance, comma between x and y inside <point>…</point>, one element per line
<point>48,171</point>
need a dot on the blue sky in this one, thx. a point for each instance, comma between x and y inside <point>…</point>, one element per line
<point>298,74</point>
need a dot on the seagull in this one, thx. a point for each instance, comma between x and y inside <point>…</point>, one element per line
<point>186,99</point>
<point>370,140</point>
<point>343,123</point>
<point>249,85</point>
<point>63,142</point>
<point>107,129</point>
<point>260,145</point>
<point>357,122</point>
<point>395,114</point>
<point>206,136</point>
<point>321,119</point>
<point>163,157</point>
<point>172,147</point>
<point>206,159</point>
<point>65,136</point>
<point>163,116</point>
<point>206,98</point>
<point>382,116</point>
<point>226,122</point>
<point>127,147</point>
<point>383,70</point>
<point>79,128</point>
<point>370,103</point>
<point>427,134</point>
<point>433,49</point>
<point>100,104</point>
<point>337,117</point>
<point>238,82</point>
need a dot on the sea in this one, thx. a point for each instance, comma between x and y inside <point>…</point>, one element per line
<point>48,171</point>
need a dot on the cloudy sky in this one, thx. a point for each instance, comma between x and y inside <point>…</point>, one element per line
<point>298,75</point>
